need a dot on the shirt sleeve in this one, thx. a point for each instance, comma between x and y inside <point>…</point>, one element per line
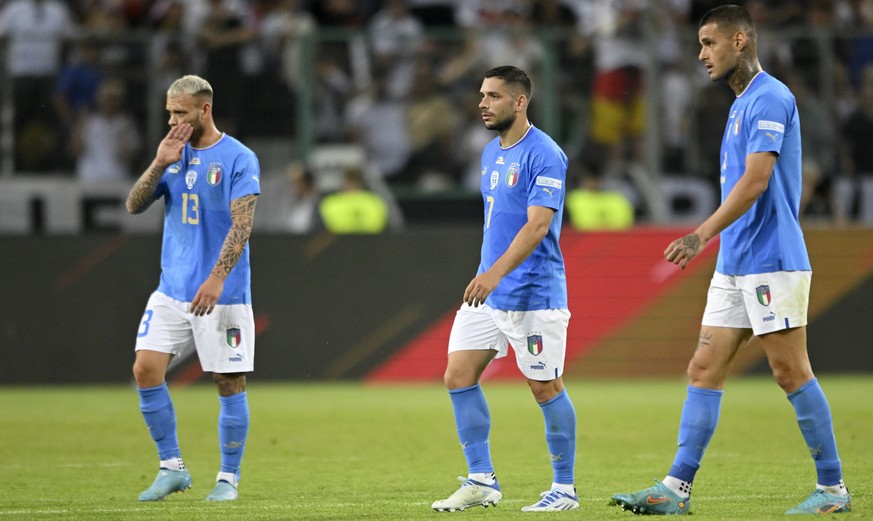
<point>246,176</point>
<point>768,119</point>
<point>547,180</point>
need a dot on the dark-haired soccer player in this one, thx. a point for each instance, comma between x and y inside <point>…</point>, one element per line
<point>518,297</point>
<point>209,182</point>
<point>762,276</point>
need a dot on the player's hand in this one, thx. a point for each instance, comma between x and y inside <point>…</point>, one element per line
<point>207,296</point>
<point>479,288</point>
<point>681,251</point>
<point>170,148</point>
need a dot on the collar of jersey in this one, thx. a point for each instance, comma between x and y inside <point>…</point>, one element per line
<point>749,86</point>
<point>526,132</point>
<point>217,141</point>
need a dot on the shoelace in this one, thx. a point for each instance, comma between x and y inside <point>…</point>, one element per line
<point>550,496</point>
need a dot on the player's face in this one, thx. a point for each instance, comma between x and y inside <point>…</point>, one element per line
<point>497,104</point>
<point>718,51</point>
<point>186,109</point>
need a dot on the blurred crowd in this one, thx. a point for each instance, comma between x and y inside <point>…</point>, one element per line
<point>400,78</point>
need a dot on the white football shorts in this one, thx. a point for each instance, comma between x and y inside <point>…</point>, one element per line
<point>539,338</point>
<point>224,339</point>
<point>764,303</point>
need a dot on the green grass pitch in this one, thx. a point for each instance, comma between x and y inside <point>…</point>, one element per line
<point>353,451</point>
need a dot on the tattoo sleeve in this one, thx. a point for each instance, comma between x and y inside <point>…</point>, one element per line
<point>142,195</point>
<point>242,214</point>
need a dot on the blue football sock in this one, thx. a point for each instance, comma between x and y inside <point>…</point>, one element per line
<point>561,436</point>
<point>474,425</point>
<point>233,427</point>
<point>160,417</point>
<point>699,419</point>
<point>814,419</point>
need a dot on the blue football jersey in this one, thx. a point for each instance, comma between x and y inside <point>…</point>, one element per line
<point>768,236</point>
<point>197,192</point>
<point>531,172</point>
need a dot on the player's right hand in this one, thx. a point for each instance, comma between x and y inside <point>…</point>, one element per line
<point>479,288</point>
<point>170,148</point>
<point>682,250</point>
<point>207,295</point>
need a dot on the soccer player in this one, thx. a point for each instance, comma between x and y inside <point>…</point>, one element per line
<point>762,277</point>
<point>209,182</point>
<point>518,297</point>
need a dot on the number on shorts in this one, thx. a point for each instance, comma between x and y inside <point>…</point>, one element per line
<point>144,325</point>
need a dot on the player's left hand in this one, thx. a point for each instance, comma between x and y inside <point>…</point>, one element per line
<point>479,288</point>
<point>681,251</point>
<point>207,296</point>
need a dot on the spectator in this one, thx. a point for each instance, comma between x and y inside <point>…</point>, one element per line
<point>283,30</point>
<point>333,86</point>
<point>856,132</point>
<point>856,152</point>
<point>106,140</point>
<point>774,50</point>
<point>820,36</point>
<point>817,140</point>
<point>396,37</point>
<point>223,36</point>
<point>76,88</point>
<point>576,62</point>
<point>379,123</point>
<point>78,82</point>
<point>354,209</point>
<point>119,54</point>
<point>707,120</point>
<point>674,107</point>
<point>433,117</point>
<point>462,59</point>
<point>512,40</point>
<point>618,107</point>
<point>36,30</point>
<point>349,54</point>
<point>292,206</point>
<point>172,46</point>
<point>592,207</point>
<point>859,24</point>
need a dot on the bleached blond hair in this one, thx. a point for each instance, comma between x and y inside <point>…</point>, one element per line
<point>190,85</point>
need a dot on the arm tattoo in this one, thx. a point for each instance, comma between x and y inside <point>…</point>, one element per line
<point>242,214</point>
<point>703,341</point>
<point>142,195</point>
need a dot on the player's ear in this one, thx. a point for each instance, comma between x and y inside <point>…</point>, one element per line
<point>740,40</point>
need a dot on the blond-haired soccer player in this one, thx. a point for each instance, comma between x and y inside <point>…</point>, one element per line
<point>209,183</point>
